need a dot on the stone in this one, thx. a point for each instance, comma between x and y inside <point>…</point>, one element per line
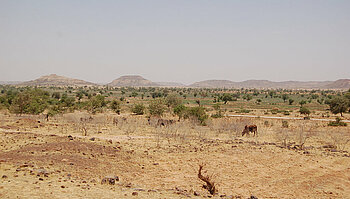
<point>110,180</point>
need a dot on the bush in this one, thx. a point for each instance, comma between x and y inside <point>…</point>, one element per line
<point>173,100</point>
<point>197,113</point>
<point>337,122</point>
<point>339,105</point>
<point>115,106</point>
<point>285,124</point>
<point>243,111</point>
<point>96,104</point>
<point>157,107</point>
<point>180,110</point>
<point>304,110</point>
<point>138,109</point>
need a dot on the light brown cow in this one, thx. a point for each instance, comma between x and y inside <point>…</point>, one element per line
<point>250,128</point>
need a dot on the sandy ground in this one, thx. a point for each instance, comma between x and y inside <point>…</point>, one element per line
<point>41,160</point>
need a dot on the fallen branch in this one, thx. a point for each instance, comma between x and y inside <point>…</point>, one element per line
<point>210,185</point>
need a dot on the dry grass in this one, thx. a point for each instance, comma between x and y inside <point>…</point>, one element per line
<point>314,156</point>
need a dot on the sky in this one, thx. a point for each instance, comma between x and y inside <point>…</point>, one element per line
<point>178,41</point>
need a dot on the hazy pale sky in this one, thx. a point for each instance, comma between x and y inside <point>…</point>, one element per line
<point>179,40</point>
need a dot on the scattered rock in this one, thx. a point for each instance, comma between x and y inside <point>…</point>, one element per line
<point>70,137</point>
<point>139,189</point>
<point>135,193</point>
<point>110,180</point>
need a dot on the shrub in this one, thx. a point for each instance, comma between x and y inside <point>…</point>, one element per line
<point>339,105</point>
<point>173,100</point>
<point>115,106</point>
<point>180,110</point>
<point>157,107</point>
<point>337,122</point>
<point>197,113</point>
<point>138,109</point>
<point>304,110</point>
<point>96,104</point>
<point>285,124</point>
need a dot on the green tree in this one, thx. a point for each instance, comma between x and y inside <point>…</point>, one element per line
<point>115,106</point>
<point>339,104</point>
<point>138,109</point>
<point>290,101</point>
<point>173,100</point>
<point>180,110</point>
<point>304,110</point>
<point>134,94</point>
<point>302,102</point>
<point>284,97</point>
<point>226,97</point>
<point>197,113</point>
<point>157,107</point>
<point>96,104</point>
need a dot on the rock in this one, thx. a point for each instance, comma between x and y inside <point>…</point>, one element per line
<point>135,193</point>
<point>196,193</point>
<point>92,139</point>
<point>4,176</point>
<point>138,189</point>
<point>70,137</point>
<point>253,197</point>
<point>110,180</point>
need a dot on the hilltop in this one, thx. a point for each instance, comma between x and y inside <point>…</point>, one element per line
<point>133,81</point>
<point>55,80</point>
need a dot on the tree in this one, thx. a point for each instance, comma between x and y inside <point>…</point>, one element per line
<point>302,102</point>
<point>180,110</point>
<point>157,107</point>
<point>173,100</point>
<point>226,97</point>
<point>284,97</point>
<point>20,103</point>
<point>138,109</point>
<point>198,113</point>
<point>339,104</point>
<point>96,104</point>
<point>115,106</point>
<point>304,110</point>
<point>134,94</point>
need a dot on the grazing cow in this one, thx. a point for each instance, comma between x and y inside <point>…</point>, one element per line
<point>250,128</point>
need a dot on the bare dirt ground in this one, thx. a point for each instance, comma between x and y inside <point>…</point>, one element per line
<point>40,159</point>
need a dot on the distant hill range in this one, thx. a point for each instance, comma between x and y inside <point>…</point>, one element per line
<point>9,82</point>
<point>55,80</point>
<point>139,81</point>
<point>260,84</point>
<point>133,81</point>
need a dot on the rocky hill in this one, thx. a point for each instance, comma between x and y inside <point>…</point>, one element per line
<point>261,84</point>
<point>339,84</point>
<point>55,80</point>
<point>133,81</point>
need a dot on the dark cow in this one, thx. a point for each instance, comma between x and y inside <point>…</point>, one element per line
<point>250,128</point>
